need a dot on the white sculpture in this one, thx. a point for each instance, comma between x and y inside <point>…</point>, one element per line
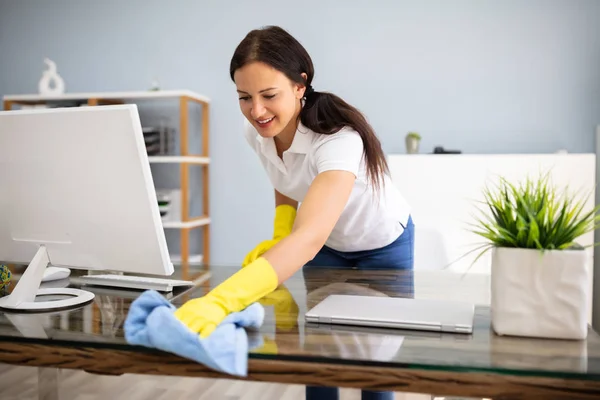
<point>51,82</point>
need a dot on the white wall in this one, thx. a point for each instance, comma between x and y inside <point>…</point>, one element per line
<point>444,189</point>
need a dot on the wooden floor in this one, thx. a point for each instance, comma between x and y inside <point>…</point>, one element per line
<point>21,383</point>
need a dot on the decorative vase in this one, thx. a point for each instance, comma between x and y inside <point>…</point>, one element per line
<point>51,82</point>
<point>412,145</point>
<point>537,294</point>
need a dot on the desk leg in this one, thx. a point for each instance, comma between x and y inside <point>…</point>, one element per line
<point>48,383</point>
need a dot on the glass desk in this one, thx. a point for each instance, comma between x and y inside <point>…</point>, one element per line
<point>290,350</point>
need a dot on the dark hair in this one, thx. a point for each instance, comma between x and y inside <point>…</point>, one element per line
<point>323,112</point>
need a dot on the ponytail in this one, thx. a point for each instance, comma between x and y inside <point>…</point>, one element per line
<point>326,113</point>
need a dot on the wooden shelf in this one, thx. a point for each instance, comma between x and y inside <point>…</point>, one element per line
<point>193,259</point>
<point>129,96</point>
<point>179,160</point>
<point>193,223</point>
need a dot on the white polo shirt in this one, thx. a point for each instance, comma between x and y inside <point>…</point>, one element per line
<point>369,220</point>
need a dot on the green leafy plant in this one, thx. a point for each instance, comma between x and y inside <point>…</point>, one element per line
<point>413,135</point>
<point>533,215</point>
<point>5,277</point>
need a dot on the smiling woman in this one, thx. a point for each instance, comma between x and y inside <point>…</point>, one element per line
<point>272,72</point>
<point>320,152</point>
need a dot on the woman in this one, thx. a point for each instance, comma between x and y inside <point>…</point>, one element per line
<point>318,151</point>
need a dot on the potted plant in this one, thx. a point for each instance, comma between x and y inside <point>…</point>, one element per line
<point>5,277</point>
<point>412,142</point>
<point>540,275</point>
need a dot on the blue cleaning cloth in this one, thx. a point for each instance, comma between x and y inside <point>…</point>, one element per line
<point>151,322</point>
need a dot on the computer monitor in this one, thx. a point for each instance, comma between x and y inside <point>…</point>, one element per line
<point>76,191</point>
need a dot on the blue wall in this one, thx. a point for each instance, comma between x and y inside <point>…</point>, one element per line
<point>478,75</point>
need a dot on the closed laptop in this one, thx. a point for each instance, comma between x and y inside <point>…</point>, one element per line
<point>394,312</point>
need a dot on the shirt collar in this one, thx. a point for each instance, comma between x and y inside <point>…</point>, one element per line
<point>302,140</point>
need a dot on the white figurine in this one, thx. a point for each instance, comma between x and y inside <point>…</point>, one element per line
<point>51,76</point>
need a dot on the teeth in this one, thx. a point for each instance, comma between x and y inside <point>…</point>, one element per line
<point>265,121</point>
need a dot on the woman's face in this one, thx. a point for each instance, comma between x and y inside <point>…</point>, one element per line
<point>268,99</point>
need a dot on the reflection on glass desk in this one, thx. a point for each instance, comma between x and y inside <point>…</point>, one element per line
<point>286,338</point>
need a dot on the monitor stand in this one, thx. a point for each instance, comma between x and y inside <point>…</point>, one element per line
<point>23,296</point>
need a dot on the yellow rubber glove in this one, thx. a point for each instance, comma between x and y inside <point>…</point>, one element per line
<point>286,316</point>
<point>285,215</point>
<point>243,288</point>
<point>269,346</point>
<point>284,306</point>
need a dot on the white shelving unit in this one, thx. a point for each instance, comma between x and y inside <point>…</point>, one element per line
<point>187,224</point>
<point>179,159</point>
<point>106,96</point>
<point>185,158</point>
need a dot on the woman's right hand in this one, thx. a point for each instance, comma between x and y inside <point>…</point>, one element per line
<point>285,216</point>
<point>259,250</point>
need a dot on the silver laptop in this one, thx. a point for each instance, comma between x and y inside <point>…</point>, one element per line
<point>394,312</point>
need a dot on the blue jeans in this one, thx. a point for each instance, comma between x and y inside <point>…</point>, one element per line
<point>397,255</point>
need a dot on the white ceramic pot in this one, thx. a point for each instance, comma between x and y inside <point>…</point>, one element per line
<point>539,294</point>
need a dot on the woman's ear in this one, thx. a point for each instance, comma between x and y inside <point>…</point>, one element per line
<point>301,88</point>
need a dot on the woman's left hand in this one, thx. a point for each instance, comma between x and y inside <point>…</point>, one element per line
<point>243,288</point>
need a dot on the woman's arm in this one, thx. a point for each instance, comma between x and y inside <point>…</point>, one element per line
<point>321,208</point>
